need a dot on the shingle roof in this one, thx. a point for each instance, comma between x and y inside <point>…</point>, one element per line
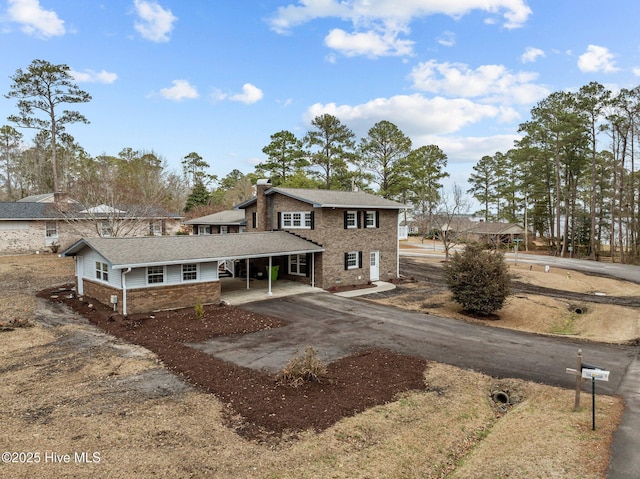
<point>162,250</point>
<point>229,217</point>
<point>29,211</point>
<point>332,198</point>
<point>10,210</point>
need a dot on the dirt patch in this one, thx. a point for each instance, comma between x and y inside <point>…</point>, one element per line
<point>534,306</point>
<point>257,405</point>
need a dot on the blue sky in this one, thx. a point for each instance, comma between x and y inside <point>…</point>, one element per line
<point>220,77</point>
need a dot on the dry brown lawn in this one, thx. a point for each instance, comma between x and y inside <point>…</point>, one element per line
<point>66,388</point>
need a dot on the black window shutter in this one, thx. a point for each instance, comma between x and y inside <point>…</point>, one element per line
<point>313,219</point>
<point>279,220</point>
<point>254,218</point>
<point>345,220</point>
<point>195,229</point>
<point>377,218</point>
<point>358,219</point>
<point>346,261</point>
<point>150,227</point>
<point>308,265</point>
<point>359,259</point>
<point>164,227</point>
<point>210,229</point>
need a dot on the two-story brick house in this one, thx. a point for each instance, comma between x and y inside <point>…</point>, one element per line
<point>358,231</point>
<point>319,237</point>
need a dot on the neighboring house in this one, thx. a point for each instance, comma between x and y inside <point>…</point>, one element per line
<point>151,273</point>
<point>490,232</point>
<point>231,221</point>
<point>358,231</point>
<point>54,221</point>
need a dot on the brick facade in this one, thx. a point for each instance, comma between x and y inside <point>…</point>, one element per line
<point>141,300</point>
<point>329,231</point>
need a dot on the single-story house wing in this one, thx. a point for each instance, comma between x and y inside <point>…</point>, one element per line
<point>140,274</point>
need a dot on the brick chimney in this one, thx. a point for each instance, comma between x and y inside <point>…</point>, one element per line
<point>262,205</point>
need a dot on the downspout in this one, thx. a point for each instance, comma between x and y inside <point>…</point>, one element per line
<point>124,291</point>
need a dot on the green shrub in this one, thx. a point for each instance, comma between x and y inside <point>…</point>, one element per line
<point>478,279</point>
<point>302,369</point>
<point>199,309</point>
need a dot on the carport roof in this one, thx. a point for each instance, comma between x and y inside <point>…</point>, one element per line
<point>162,250</point>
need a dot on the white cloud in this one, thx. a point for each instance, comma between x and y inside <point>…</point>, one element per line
<point>180,90</point>
<point>34,19</point>
<point>531,54</point>
<point>597,59</point>
<point>250,94</point>
<point>491,83</point>
<point>414,114</point>
<point>371,43</point>
<point>154,22</point>
<point>515,12</point>
<point>447,39</point>
<point>377,24</point>
<point>90,76</point>
<point>636,71</point>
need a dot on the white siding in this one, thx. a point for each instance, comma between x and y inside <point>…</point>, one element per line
<point>137,278</point>
<point>89,264</point>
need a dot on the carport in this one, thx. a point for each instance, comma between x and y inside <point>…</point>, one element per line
<point>245,248</point>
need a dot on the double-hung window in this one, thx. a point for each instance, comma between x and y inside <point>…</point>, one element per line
<point>155,228</point>
<point>155,274</point>
<point>190,272</point>
<point>351,219</point>
<point>51,230</point>
<point>370,219</point>
<point>102,271</point>
<point>352,260</point>
<point>296,219</point>
<point>105,229</point>
<point>298,264</point>
<point>203,230</point>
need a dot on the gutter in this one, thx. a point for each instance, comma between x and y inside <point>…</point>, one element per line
<point>124,291</point>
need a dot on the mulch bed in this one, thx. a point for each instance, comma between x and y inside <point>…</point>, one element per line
<point>258,407</point>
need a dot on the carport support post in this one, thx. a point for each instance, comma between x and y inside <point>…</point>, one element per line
<point>576,408</point>
<point>269,293</point>
<point>247,270</point>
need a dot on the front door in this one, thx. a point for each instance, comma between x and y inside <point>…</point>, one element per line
<point>374,264</point>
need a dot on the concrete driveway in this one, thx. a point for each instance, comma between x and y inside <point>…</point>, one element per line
<point>337,327</point>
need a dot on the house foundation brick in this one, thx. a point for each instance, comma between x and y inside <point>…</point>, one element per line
<point>141,300</point>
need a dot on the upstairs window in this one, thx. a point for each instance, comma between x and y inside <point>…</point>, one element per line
<point>371,219</point>
<point>351,219</point>
<point>296,219</point>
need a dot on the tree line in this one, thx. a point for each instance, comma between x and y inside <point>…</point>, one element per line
<point>571,178</point>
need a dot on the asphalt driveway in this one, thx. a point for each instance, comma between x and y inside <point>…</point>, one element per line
<point>337,327</point>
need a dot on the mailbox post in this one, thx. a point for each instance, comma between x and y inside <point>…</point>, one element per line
<point>595,373</point>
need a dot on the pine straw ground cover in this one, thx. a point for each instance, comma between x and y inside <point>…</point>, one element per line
<point>257,405</point>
